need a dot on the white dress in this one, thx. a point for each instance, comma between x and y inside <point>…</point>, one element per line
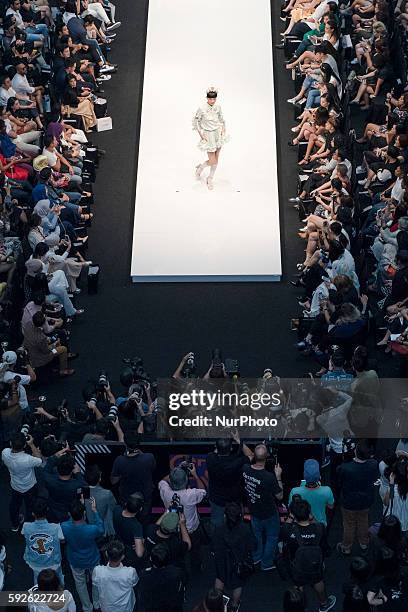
<point>210,122</point>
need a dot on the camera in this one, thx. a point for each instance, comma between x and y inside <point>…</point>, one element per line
<point>103,381</point>
<point>84,492</point>
<point>175,505</point>
<point>217,370</point>
<point>189,366</point>
<point>112,414</point>
<point>26,431</point>
<point>62,411</point>
<point>187,465</point>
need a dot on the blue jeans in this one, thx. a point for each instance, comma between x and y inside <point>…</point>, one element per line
<point>313,98</point>
<point>217,514</point>
<point>266,532</point>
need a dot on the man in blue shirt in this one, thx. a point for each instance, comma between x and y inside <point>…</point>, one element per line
<point>337,376</point>
<point>43,550</point>
<point>82,550</point>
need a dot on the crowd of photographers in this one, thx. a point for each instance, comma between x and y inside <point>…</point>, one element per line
<point>99,532</point>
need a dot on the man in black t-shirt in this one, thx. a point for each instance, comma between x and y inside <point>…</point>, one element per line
<point>262,488</point>
<point>225,475</point>
<point>134,472</point>
<point>304,541</point>
<point>129,529</point>
<point>170,530</point>
<point>161,586</point>
<point>356,484</point>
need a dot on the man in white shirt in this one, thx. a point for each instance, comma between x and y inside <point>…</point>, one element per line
<point>6,90</point>
<point>23,88</point>
<point>114,582</point>
<point>22,476</point>
<point>9,359</point>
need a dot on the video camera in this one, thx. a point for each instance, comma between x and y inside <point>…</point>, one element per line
<point>175,505</point>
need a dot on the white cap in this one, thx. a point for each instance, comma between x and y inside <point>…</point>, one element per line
<point>9,357</point>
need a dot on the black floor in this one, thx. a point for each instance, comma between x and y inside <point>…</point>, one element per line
<point>161,322</point>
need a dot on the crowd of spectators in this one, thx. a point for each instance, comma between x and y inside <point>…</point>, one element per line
<point>349,70</point>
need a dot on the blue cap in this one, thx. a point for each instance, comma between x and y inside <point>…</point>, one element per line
<point>311,471</point>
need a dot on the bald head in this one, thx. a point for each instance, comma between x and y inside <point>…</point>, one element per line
<point>260,453</point>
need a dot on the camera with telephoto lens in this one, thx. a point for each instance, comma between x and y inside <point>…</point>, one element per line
<point>26,431</point>
<point>175,505</point>
<point>103,381</point>
<point>62,410</point>
<point>190,367</point>
<point>138,369</point>
<point>217,369</point>
<point>112,414</point>
<point>187,465</point>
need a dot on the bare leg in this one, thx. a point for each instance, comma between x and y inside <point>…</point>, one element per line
<point>212,160</point>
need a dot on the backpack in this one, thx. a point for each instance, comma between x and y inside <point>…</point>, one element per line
<point>307,565</point>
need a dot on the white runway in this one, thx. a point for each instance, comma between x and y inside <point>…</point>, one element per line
<point>182,231</point>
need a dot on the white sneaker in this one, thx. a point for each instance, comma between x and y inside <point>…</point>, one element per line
<point>292,100</point>
<point>210,184</point>
<point>113,26</point>
<point>198,171</point>
<point>103,77</point>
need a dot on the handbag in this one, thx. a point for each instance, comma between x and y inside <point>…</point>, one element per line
<point>375,527</point>
<point>244,568</point>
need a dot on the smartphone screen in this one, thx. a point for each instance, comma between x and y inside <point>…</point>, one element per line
<point>86,492</point>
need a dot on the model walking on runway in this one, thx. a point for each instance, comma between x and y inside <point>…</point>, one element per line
<point>210,125</point>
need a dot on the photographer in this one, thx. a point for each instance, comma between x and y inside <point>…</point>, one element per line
<point>41,351</point>
<point>76,426</point>
<point>134,472</point>
<point>171,530</point>
<point>186,368</point>
<point>22,476</point>
<point>11,415</point>
<point>225,475</point>
<point>262,489</point>
<point>104,498</point>
<point>102,430</point>
<point>175,492</point>
<point>7,375</point>
<point>62,487</point>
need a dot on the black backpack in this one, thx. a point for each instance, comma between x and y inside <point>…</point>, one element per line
<point>307,564</point>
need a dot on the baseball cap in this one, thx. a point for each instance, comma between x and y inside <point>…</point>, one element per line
<point>170,522</point>
<point>311,471</point>
<point>9,357</point>
<point>178,479</point>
